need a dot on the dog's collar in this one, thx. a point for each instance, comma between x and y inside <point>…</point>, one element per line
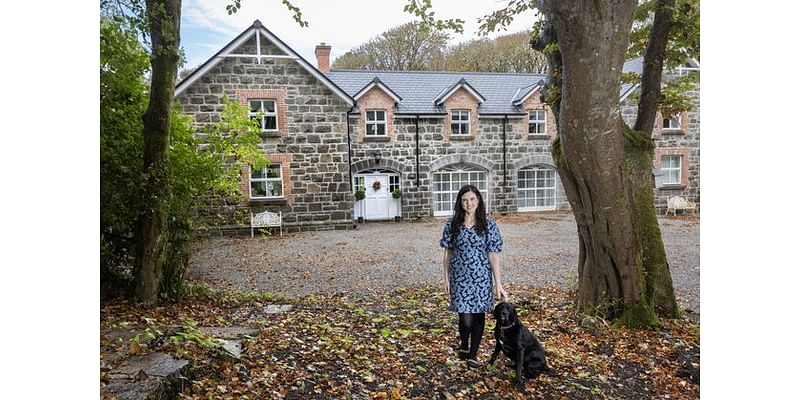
<point>509,326</point>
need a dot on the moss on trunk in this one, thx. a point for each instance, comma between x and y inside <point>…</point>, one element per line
<point>659,292</point>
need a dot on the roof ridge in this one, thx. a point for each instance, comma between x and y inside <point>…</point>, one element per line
<point>434,72</point>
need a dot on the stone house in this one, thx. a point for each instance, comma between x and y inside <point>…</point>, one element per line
<point>420,135</point>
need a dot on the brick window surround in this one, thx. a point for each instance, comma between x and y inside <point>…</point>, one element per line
<point>284,159</point>
<point>674,151</point>
<point>461,100</point>
<point>658,127</point>
<point>375,100</point>
<point>533,102</point>
<point>279,95</point>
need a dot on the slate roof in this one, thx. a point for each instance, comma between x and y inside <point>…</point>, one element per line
<point>418,89</point>
<point>634,65</point>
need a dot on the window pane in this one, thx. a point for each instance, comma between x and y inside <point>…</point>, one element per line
<point>455,128</point>
<point>270,123</point>
<point>269,106</point>
<point>256,173</point>
<point>370,115</point>
<point>370,129</point>
<point>381,129</point>
<point>380,115</point>
<point>274,171</point>
<point>274,188</point>
<point>258,189</point>
<point>255,105</point>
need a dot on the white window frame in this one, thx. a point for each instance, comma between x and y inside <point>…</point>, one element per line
<point>473,175</point>
<point>375,123</point>
<point>262,114</point>
<point>267,181</point>
<point>667,168</point>
<point>538,123</point>
<point>460,122</point>
<point>539,176</point>
<point>674,123</point>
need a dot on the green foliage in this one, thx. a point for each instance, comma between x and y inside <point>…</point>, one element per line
<point>423,10</point>
<point>674,94</point>
<point>297,14</point>
<point>397,193</point>
<point>360,194</point>
<point>123,100</point>
<point>683,42</point>
<point>503,17</point>
<point>194,168</point>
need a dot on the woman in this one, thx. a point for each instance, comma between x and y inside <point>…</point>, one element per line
<point>471,264</point>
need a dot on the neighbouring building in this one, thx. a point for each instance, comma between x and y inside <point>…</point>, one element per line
<point>419,135</point>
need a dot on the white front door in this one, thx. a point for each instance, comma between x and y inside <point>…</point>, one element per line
<point>377,201</point>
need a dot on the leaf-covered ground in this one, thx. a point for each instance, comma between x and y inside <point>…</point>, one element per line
<point>397,346</point>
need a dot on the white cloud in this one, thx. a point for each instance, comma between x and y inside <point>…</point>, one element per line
<point>341,24</point>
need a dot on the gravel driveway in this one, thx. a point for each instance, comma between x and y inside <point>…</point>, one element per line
<point>538,249</point>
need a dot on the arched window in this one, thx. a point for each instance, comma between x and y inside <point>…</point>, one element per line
<point>536,188</point>
<point>449,180</point>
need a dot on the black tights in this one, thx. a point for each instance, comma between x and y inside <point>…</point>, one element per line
<point>471,326</point>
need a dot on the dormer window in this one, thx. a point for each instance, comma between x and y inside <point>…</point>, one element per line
<point>265,112</point>
<point>376,123</point>
<point>459,122</point>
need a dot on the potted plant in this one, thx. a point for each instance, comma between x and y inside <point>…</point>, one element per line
<point>360,195</point>
<point>397,194</point>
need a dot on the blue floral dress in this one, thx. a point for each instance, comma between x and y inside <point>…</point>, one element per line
<point>470,271</point>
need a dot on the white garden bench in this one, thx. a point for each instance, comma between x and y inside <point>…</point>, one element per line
<point>676,203</point>
<point>266,219</point>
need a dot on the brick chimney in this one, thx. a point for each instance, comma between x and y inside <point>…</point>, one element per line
<point>323,53</point>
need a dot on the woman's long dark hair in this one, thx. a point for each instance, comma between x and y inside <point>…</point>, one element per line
<point>458,212</point>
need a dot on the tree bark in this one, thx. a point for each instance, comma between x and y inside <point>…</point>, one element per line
<point>163,19</point>
<point>639,153</point>
<point>590,152</point>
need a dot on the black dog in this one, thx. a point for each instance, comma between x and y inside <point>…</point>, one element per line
<point>518,344</point>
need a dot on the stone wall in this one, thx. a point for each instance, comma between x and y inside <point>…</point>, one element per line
<point>312,136</point>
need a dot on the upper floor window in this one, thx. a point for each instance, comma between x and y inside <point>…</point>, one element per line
<point>376,123</point>
<point>671,170</point>
<point>459,122</point>
<point>537,122</point>
<point>673,122</point>
<point>265,112</point>
<point>266,183</point>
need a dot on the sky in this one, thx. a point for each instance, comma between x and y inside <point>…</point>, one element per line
<point>206,26</point>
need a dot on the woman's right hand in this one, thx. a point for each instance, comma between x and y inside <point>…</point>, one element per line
<point>446,285</point>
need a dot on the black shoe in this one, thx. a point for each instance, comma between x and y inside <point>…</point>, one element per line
<point>463,354</point>
<point>473,363</point>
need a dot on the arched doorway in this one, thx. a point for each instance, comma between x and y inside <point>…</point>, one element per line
<point>378,203</point>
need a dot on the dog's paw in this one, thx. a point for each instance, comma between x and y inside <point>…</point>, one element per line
<point>519,384</point>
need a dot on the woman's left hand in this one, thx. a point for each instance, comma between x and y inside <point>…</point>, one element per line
<point>501,293</point>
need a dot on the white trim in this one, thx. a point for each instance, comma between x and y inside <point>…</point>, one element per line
<point>455,88</point>
<point>263,113</point>
<point>259,57</point>
<point>410,116</point>
<point>537,121</point>
<point>376,122</point>
<point>290,54</point>
<point>537,169</point>
<point>460,121</point>
<point>671,128</point>
<point>266,180</point>
<point>664,171</point>
<point>629,92</point>
<point>522,100</point>
<point>381,86</point>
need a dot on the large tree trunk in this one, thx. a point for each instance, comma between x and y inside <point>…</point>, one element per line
<point>592,39</point>
<point>163,19</point>
<point>639,154</point>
